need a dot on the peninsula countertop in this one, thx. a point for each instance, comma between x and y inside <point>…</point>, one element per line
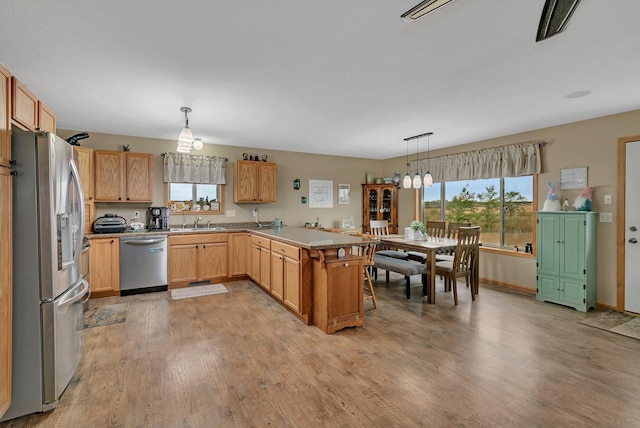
<point>302,237</point>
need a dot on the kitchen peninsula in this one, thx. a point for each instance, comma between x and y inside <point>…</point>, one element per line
<point>297,267</point>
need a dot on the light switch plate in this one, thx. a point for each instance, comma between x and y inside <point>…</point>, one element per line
<point>607,200</point>
<point>606,218</point>
<point>230,213</point>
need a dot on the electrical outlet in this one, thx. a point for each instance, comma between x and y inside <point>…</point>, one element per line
<point>230,213</point>
<point>136,214</point>
<point>606,218</point>
<point>255,212</point>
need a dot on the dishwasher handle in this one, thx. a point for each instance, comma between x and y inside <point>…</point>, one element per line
<point>143,241</point>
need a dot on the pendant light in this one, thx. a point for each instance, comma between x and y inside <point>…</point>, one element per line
<point>406,183</point>
<point>185,139</point>
<point>417,180</point>
<point>428,180</point>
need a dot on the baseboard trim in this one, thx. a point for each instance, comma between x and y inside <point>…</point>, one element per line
<point>520,288</point>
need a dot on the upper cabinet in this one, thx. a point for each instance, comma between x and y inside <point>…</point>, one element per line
<point>254,182</point>
<point>27,111</point>
<point>123,176</point>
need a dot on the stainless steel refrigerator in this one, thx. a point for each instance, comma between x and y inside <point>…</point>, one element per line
<point>48,289</point>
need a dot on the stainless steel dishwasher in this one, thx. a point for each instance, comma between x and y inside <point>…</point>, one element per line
<point>143,264</point>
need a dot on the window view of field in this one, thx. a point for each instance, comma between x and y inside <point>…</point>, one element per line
<point>505,218</point>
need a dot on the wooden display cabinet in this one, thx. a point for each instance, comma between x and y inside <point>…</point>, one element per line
<point>254,182</point>
<point>380,202</point>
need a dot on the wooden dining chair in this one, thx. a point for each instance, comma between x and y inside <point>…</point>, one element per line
<point>462,265</point>
<point>452,229</point>
<point>379,227</point>
<point>434,229</point>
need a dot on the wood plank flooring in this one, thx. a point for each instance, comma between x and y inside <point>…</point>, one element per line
<point>239,359</point>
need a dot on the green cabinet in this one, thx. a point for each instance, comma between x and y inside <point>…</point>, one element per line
<point>566,258</point>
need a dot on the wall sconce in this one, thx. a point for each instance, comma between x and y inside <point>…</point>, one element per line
<point>296,184</point>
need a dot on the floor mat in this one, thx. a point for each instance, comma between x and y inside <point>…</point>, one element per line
<point>615,322</point>
<point>200,290</point>
<point>105,315</point>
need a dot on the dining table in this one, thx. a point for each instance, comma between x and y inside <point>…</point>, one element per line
<point>427,245</point>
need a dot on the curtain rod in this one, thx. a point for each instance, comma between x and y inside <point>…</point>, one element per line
<point>163,154</point>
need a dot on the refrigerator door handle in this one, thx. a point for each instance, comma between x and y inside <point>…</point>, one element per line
<point>68,302</point>
<point>76,179</point>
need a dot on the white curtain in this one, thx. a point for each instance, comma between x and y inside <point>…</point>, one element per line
<point>185,168</point>
<point>506,161</point>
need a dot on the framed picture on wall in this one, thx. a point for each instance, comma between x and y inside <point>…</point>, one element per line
<point>344,194</point>
<point>320,194</point>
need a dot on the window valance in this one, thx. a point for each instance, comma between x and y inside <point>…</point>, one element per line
<point>505,161</point>
<point>201,169</point>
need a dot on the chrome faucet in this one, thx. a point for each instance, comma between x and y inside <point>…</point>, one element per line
<point>196,221</point>
<point>208,224</point>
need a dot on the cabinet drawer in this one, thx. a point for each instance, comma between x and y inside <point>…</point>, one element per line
<point>198,238</point>
<point>285,250</point>
<point>261,242</point>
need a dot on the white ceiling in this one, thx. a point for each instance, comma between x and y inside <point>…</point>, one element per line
<point>341,77</point>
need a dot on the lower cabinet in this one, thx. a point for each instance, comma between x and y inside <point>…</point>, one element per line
<point>239,254</point>
<point>260,271</point>
<point>285,274</point>
<point>197,257</point>
<point>104,267</point>
<point>337,292</point>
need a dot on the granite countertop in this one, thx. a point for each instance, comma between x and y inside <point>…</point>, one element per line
<point>306,238</point>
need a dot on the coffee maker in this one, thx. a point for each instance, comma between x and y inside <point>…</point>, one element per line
<point>158,218</point>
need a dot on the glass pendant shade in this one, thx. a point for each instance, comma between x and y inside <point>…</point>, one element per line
<point>406,183</point>
<point>417,181</point>
<point>428,180</point>
<point>186,135</point>
<point>183,147</point>
<point>197,144</point>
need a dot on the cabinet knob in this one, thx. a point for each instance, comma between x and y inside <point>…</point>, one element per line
<point>119,199</point>
<point>90,197</point>
<point>14,173</point>
<point>346,265</point>
<point>13,162</point>
<point>633,241</point>
<point>127,199</point>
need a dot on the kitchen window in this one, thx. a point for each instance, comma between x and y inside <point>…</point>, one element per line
<point>193,198</point>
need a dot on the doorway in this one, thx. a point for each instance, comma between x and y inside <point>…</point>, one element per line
<point>628,225</point>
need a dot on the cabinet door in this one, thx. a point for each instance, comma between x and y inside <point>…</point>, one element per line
<point>84,161</point>
<point>104,265</point>
<point>548,287</point>
<point>572,291</point>
<point>46,118</point>
<point>108,175</point>
<point>344,292</point>
<point>267,182</point>
<point>5,117</point>
<point>213,260</point>
<point>277,276</point>
<point>5,289</point>
<point>24,105</point>
<point>547,236</point>
<point>292,284</point>
<point>239,253</point>
<point>183,263</point>
<point>265,269</point>
<point>138,179</point>
<point>254,271</point>
<point>245,186</point>
<point>572,242</point>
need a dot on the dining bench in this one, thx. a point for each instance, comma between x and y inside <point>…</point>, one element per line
<point>402,266</point>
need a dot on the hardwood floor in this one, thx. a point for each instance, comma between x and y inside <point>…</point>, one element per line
<point>240,359</point>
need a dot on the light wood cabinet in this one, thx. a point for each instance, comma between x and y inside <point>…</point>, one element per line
<point>380,202</point>
<point>239,254</point>
<point>84,160</point>
<point>261,261</point>
<point>104,267</point>
<point>46,118</point>
<point>286,274</point>
<point>24,106</point>
<point>6,245</point>
<point>254,182</point>
<point>197,257</point>
<point>566,258</point>
<point>123,176</point>
<point>337,292</point>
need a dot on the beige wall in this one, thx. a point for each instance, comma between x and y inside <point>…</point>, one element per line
<point>590,143</point>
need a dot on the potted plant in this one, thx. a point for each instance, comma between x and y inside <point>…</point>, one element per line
<point>418,228</point>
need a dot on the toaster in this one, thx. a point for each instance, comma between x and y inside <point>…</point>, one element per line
<point>110,223</point>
